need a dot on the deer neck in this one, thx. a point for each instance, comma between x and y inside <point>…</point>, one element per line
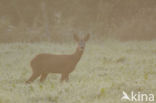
<point>77,55</point>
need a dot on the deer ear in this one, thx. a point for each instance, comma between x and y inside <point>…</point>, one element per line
<point>76,37</point>
<point>87,37</point>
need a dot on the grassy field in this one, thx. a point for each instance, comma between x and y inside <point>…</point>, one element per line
<point>104,71</point>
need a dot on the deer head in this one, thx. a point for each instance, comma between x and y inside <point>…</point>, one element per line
<point>81,41</point>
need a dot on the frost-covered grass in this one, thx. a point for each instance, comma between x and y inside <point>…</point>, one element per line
<point>104,71</point>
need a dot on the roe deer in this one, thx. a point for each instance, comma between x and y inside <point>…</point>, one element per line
<point>43,64</point>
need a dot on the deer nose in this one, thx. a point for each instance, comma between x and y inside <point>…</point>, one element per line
<point>82,47</point>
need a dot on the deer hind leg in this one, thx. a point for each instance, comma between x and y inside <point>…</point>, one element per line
<point>64,76</point>
<point>33,77</point>
<point>43,77</point>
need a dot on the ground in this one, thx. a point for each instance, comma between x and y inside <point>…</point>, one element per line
<point>105,70</point>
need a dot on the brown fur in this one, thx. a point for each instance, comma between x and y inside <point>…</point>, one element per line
<point>43,64</point>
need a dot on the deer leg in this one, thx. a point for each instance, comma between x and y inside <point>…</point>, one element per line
<point>43,77</point>
<point>33,77</point>
<point>67,78</point>
<point>64,77</point>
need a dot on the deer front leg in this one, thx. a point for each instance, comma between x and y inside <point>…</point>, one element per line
<point>64,76</point>
<point>67,78</point>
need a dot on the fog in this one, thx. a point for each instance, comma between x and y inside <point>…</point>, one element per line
<point>119,56</point>
<point>57,20</point>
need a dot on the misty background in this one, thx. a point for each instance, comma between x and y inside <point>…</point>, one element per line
<point>57,20</point>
